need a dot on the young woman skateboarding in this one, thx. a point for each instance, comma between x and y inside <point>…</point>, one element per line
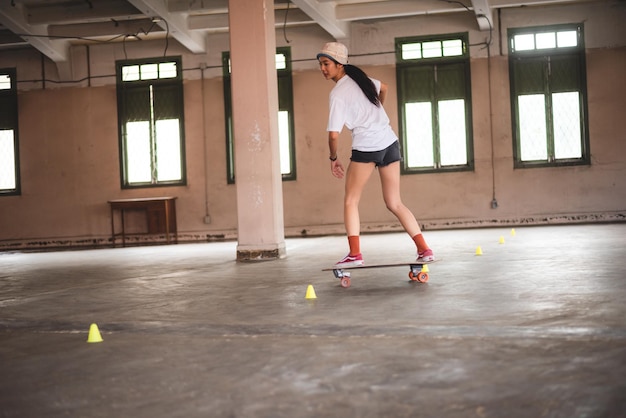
<point>356,102</point>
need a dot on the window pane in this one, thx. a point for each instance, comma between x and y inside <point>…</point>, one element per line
<point>432,49</point>
<point>168,150</point>
<point>7,160</point>
<point>151,112</point>
<point>546,40</point>
<point>286,142</point>
<point>452,132</point>
<point>419,134</point>
<point>281,62</point>
<point>138,151</point>
<point>149,71</point>
<point>411,51</point>
<point>283,141</point>
<point>5,82</point>
<point>566,39</point>
<point>130,73</point>
<point>167,70</point>
<point>532,121</point>
<point>452,48</point>
<point>524,42</point>
<point>566,115</point>
<point>549,98</point>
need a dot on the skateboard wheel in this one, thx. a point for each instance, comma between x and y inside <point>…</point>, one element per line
<point>345,282</point>
<point>422,277</point>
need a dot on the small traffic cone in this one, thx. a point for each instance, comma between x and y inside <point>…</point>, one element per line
<point>425,268</point>
<point>94,334</point>
<point>501,240</point>
<point>479,251</point>
<point>310,292</point>
<point>513,232</point>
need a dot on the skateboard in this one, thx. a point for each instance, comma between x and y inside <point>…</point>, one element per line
<point>415,271</point>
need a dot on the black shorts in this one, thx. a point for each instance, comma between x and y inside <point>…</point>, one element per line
<point>389,155</point>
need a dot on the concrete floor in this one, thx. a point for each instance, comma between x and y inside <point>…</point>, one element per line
<point>535,327</point>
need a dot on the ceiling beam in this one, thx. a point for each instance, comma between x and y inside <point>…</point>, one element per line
<point>484,17</point>
<point>214,6</point>
<point>9,39</point>
<point>14,18</point>
<point>113,30</point>
<point>94,10</point>
<point>176,23</point>
<point>394,8</point>
<point>501,4</point>
<point>218,22</point>
<point>399,8</point>
<point>325,16</point>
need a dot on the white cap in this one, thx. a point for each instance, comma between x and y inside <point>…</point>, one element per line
<point>335,51</point>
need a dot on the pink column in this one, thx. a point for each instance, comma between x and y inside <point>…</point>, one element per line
<point>255,129</point>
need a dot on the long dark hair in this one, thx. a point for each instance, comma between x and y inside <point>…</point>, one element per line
<point>366,84</point>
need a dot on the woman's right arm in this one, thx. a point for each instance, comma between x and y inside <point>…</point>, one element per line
<point>336,167</point>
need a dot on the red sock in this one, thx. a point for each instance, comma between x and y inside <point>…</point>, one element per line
<point>420,243</point>
<point>355,244</point>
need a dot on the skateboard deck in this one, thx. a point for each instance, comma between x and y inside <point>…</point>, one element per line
<point>416,270</point>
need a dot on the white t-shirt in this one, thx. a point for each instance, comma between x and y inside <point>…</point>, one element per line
<point>368,123</point>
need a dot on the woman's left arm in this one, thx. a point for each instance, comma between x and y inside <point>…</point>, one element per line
<point>382,93</point>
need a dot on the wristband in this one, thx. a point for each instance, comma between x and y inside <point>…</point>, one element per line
<point>332,159</point>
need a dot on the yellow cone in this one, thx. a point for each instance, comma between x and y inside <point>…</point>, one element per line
<point>479,251</point>
<point>501,240</point>
<point>94,334</point>
<point>310,292</point>
<point>425,268</point>
<point>513,232</point>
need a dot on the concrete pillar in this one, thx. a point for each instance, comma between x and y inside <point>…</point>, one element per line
<point>261,234</point>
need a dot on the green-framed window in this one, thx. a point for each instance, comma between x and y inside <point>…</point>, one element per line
<point>434,103</point>
<point>286,131</point>
<point>9,149</point>
<point>151,122</point>
<point>548,96</point>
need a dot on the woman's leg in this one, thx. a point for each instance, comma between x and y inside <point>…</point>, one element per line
<point>356,178</point>
<point>390,181</point>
